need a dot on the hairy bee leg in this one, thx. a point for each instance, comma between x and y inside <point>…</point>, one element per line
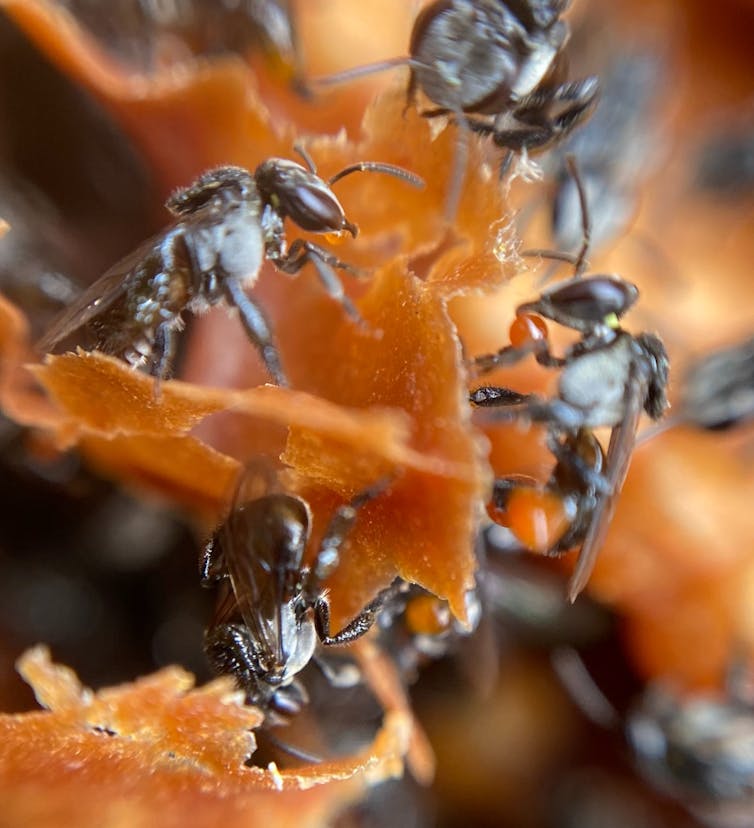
<point>231,650</point>
<point>359,625</point>
<point>256,327</point>
<point>538,132</point>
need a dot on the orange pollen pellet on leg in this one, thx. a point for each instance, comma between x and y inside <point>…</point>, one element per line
<point>537,517</point>
<point>526,329</point>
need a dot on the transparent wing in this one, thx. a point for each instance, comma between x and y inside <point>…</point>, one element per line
<point>99,297</point>
<point>262,543</point>
<point>619,452</point>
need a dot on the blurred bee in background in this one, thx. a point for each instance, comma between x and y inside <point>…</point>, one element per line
<point>699,749</point>
<point>146,33</point>
<point>614,150</point>
<point>696,747</point>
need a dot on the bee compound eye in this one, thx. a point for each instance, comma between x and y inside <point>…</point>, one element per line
<point>594,298</point>
<point>313,207</point>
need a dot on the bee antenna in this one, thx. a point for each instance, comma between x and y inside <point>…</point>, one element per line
<point>304,153</point>
<point>361,71</point>
<point>375,166</point>
<point>578,261</point>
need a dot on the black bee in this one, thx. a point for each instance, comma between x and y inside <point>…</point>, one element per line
<point>717,391</point>
<point>606,379</point>
<point>699,749</point>
<point>273,611</point>
<point>492,66</point>
<point>614,150</point>
<point>227,223</point>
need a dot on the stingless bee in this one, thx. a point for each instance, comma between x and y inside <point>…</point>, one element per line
<point>273,610</point>
<point>493,66</point>
<point>607,378</point>
<point>227,223</point>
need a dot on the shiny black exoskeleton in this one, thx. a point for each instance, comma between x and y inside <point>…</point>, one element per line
<point>227,223</point>
<point>493,67</point>
<point>606,379</point>
<point>273,610</point>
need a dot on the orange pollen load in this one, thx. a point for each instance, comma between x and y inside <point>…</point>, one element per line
<point>526,329</point>
<point>537,517</point>
<point>427,615</point>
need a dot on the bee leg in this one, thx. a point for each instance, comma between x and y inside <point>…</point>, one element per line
<point>506,405</point>
<point>301,252</point>
<point>532,125</point>
<point>337,531</point>
<point>231,650</point>
<point>567,456</point>
<point>359,625</point>
<point>487,396</point>
<point>510,355</point>
<point>163,352</point>
<point>212,567</point>
<point>460,163</point>
<point>256,327</point>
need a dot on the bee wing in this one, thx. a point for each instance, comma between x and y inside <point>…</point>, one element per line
<point>251,575</point>
<point>619,452</point>
<point>262,543</point>
<point>226,608</point>
<point>98,297</point>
